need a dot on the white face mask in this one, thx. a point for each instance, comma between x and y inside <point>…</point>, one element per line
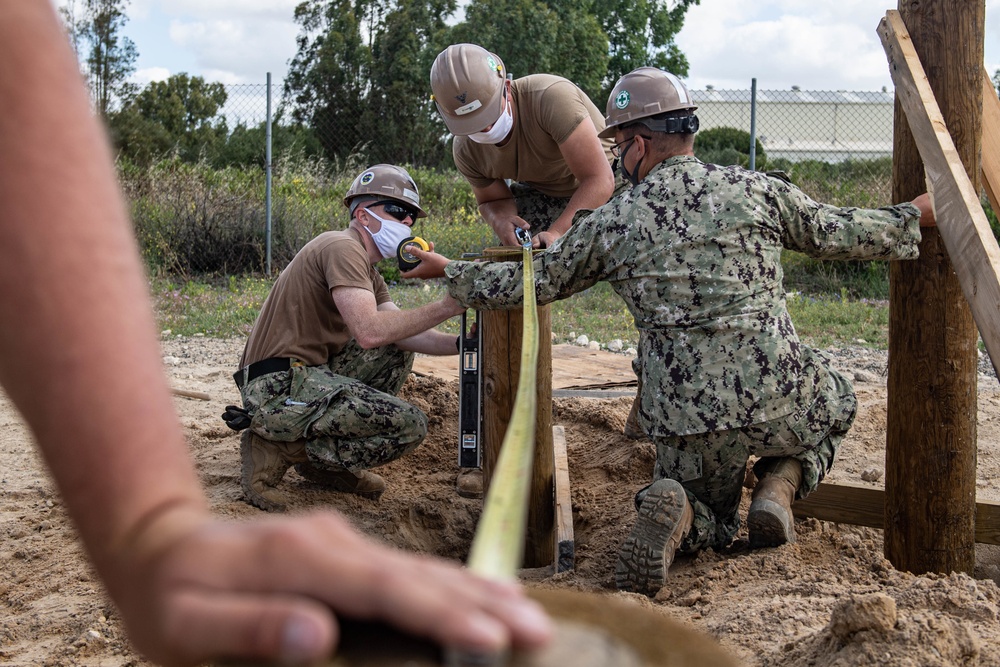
<point>389,236</point>
<point>499,131</point>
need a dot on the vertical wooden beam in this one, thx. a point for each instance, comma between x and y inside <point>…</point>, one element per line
<point>991,144</point>
<point>932,394</point>
<point>501,359</point>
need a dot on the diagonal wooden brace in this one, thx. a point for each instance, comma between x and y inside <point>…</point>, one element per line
<point>961,221</point>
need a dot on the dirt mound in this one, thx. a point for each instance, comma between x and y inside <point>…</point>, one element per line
<point>829,599</point>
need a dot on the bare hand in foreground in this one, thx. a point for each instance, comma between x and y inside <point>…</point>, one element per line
<point>271,589</point>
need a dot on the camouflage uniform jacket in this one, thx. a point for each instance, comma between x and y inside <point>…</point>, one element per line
<point>695,253</point>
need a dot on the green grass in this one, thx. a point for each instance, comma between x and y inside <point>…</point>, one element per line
<point>221,308</point>
<point>227,307</point>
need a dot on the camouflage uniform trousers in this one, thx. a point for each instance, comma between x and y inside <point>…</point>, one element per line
<point>346,410</point>
<point>712,466</point>
<point>541,210</point>
<point>537,209</point>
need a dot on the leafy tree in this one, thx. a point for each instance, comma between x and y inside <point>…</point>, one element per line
<point>565,38</point>
<point>110,55</point>
<point>641,32</point>
<point>328,79</point>
<point>246,146</point>
<point>996,81</point>
<point>728,145</point>
<point>179,115</point>
<point>400,119</point>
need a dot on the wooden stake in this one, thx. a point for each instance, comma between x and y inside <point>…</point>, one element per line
<point>501,367</point>
<point>565,541</point>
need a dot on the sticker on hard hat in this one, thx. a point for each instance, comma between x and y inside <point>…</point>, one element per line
<point>622,99</point>
<point>492,63</point>
<point>367,177</point>
<point>411,195</point>
<point>468,108</point>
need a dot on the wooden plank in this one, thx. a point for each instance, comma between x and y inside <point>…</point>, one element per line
<point>187,393</point>
<point>991,142</point>
<point>501,370</point>
<point>864,506</point>
<point>960,217</point>
<point>565,541</point>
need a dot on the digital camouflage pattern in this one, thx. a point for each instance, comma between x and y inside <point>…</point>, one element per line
<point>694,251</point>
<point>346,410</point>
<point>537,208</point>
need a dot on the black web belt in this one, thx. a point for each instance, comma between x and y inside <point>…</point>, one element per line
<point>262,367</point>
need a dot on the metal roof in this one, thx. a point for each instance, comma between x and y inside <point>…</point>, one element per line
<point>794,96</point>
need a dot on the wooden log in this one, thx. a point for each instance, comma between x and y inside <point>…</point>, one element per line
<point>501,359</point>
<point>931,422</point>
<point>865,506</point>
<point>565,541</point>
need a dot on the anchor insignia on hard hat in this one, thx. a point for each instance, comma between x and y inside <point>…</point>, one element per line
<point>622,99</point>
<point>461,97</point>
<point>367,177</point>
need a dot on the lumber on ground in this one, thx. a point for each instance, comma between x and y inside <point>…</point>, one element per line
<point>865,506</point>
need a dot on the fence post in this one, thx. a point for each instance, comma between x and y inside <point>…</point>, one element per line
<point>267,178</point>
<point>753,124</point>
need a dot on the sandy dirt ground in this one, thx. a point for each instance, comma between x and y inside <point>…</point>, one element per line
<point>829,599</point>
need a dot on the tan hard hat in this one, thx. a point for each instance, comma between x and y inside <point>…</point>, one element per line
<point>644,92</point>
<point>468,82</point>
<point>384,181</point>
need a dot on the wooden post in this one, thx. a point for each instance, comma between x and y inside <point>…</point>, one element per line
<point>501,359</point>
<point>932,393</point>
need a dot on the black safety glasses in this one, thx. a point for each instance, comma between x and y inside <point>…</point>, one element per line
<point>621,146</point>
<point>396,210</point>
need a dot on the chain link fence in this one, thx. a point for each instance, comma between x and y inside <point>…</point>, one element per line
<point>207,211</point>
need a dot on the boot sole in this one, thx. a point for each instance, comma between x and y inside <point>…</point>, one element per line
<point>246,472</point>
<point>769,524</point>
<point>332,481</point>
<point>641,566</point>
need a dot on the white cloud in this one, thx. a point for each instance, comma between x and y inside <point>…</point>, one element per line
<point>237,50</point>
<point>150,74</point>
<point>815,45</point>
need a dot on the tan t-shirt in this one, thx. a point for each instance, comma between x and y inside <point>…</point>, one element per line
<point>547,109</point>
<point>299,318</point>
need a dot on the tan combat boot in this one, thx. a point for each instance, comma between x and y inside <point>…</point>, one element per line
<point>469,483</point>
<point>264,463</point>
<point>362,483</point>
<point>770,520</point>
<point>665,517</point>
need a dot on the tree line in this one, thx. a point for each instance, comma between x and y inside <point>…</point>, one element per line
<point>358,83</point>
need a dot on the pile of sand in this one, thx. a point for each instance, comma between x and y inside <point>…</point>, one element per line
<point>830,599</point>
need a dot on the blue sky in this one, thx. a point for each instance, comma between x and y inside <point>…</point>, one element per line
<point>815,44</point>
